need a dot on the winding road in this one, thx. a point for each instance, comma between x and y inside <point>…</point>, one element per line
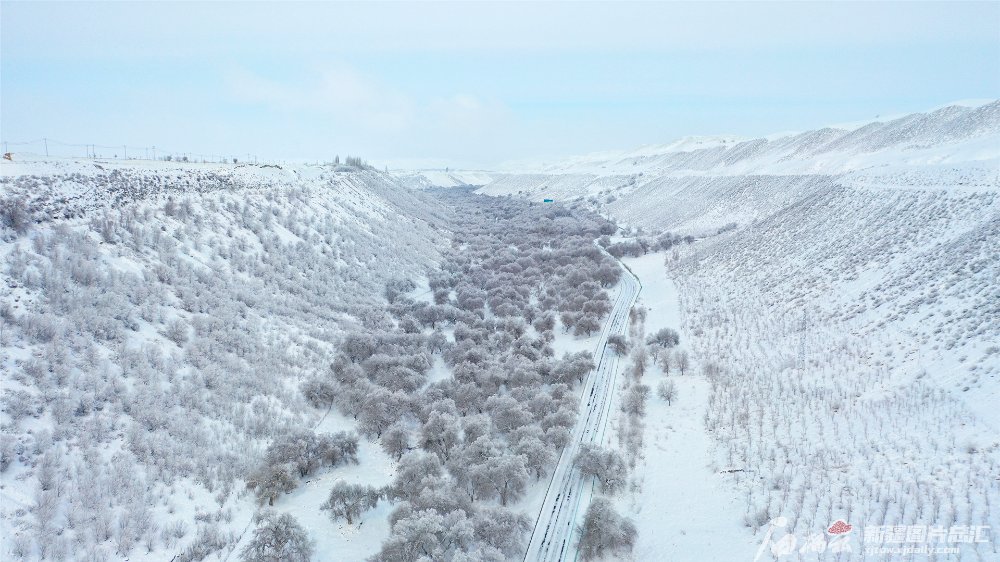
<point>569,493</point>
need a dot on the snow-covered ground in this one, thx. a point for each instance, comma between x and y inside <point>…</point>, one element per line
<point>682,502</point>
<point>340,541</point>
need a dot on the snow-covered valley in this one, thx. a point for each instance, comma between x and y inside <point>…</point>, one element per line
<point>203,361</point>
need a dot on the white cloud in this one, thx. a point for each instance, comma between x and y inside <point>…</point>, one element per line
<point>339,92</point>
<point>361,107</point>
<point>467,114</point>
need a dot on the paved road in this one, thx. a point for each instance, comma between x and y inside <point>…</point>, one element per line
<point>568,494</point>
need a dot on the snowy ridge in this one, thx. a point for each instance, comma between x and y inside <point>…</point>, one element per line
<point>426,179</point>
<point>950,134</point>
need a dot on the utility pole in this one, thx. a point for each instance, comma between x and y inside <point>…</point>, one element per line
<point>46,147</point>
<point>154,152</point>
<point>125,151</point>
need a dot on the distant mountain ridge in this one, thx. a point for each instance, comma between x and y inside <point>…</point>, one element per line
<point>949,132</point>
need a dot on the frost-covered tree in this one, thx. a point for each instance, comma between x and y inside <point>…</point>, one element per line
<point>501,529</point>
<point>278,538</point>
<point>508,475</point>
<point>607,274</point>
<point>586,324</point>
<point>664,360</point>
<point>538,456</point>
<point>271,481</point>
<point>379,409</point>
<point>319,392</point>
<point>348,501</point>
<point>428,535</point>
<point>359,346</point>
<point>605,531</point>
<point>440,434</point>
<point>667,391</point>
<point>307,451</point>
<point>14,214</point>
<point>682,360</point>
<point>640,359</point>
<point>545,322</point>
<point>415,469</point>
<point>396,441</point>
<point>573,367</point>
<point>397,287</point>
<point>618,344</point>
<point>605,465</point>
<point>441,296</point>
<point>634,401</point>
<point>507,413</point>
<point>665,338</point>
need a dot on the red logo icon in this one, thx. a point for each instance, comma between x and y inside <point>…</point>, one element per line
<point>839,527</point>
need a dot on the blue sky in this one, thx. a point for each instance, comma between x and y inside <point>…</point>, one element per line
<point>475,84</point>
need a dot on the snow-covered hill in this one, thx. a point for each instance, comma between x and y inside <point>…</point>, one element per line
<point>157,320</point>
<point>425,179</point>
<point>842,296</point>
<point>951,134</point>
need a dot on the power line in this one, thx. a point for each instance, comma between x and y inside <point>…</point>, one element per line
<point>158,153</point>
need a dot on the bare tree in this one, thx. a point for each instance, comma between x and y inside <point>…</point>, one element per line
<point>664,361</point>
<point>682,361</point>
<point>667,390</point>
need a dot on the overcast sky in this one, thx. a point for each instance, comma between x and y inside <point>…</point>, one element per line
<point>475,84</point>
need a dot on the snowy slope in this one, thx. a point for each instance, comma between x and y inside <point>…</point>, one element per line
<point>943,135</point>
<point>165,314</point>
<point>955,136</point>
<point>424,179</point>
<point>842,299</point>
